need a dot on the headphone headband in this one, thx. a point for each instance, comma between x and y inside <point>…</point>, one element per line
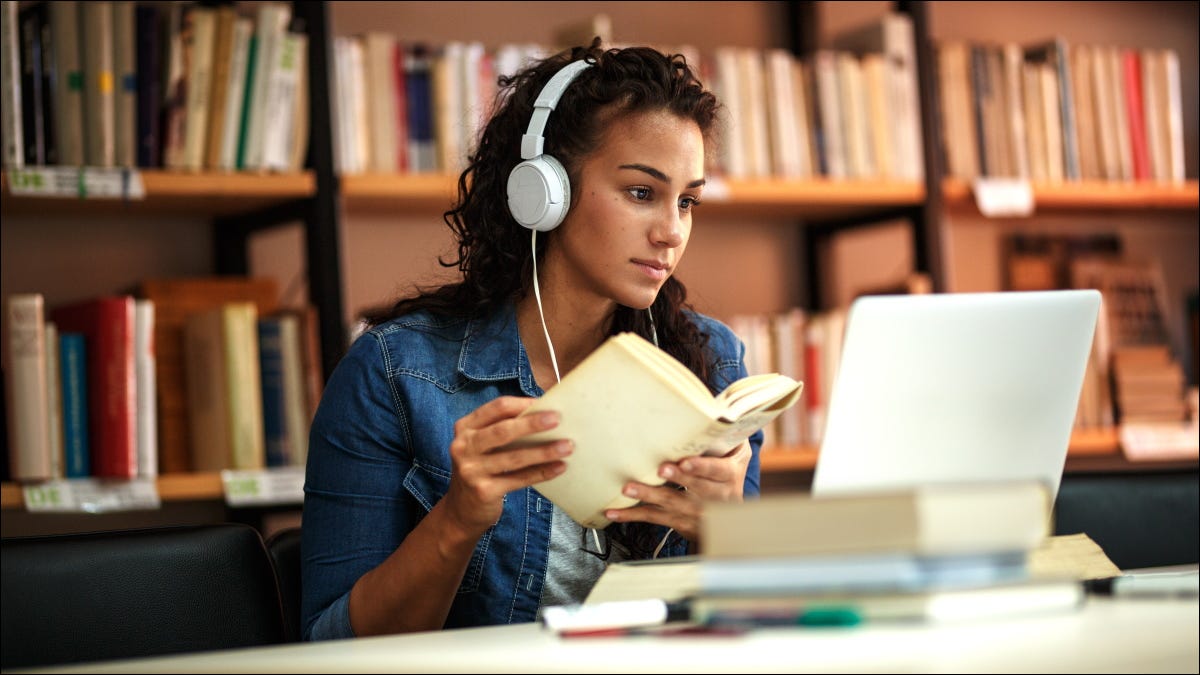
<point>547,100</point>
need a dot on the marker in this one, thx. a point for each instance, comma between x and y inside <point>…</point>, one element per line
<point>830,616</point>
<point>1149,585</point>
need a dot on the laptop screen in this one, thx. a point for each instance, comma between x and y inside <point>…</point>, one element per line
<point>956,388</point>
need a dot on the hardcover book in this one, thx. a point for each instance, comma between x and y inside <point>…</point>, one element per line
<point>629,407</point>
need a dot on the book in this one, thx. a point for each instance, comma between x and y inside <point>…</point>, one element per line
<point>224,388</point>
<point>108,326</point>
<point>629,407</point>
<point>26,389</point>
<point>941,605</point>
<point>175,299</point>
<point>73,371</point>
<point>926,520</point>
<point>99,96</point>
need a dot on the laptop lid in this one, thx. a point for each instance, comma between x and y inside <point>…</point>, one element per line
<point>956,388</point>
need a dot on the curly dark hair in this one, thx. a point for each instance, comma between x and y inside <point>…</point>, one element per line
<point>491,244</point>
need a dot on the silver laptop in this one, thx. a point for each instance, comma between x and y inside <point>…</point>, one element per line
<point>956,388</point>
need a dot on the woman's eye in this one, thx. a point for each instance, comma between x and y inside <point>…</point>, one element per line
<point>640,193</point>
<point>687,203</point>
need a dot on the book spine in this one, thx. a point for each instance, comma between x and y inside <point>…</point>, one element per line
<point>221,62</point>
<point>149,85</point>
<point>73,370</point>
<point>32,121</point>
<point>125,84</point>
<point>68,88</point>
<point>198,45</point>
<point>49,77</point>
<point>96,26</point>
<point>297,417</point>
<point>108,326</point>
<point>54,427</point>
<point>145,366</point>
<point>10,88</point>
<point>239,64</point>
<point>243,394</point>
<point>274,406</point>
<point>28,419</point>
<point>1131,70</point>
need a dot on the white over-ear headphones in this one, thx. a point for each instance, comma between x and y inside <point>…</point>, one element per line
<point>539,192</point>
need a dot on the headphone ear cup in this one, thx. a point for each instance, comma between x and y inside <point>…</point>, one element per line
<point>539,193</point>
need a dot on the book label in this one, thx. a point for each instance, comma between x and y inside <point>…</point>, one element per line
<point>82,182</point>
<point>1004,197</point>
<point>276,485</point>
<point>91,495</point>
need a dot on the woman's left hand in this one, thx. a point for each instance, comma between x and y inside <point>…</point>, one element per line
<point>703,479</point>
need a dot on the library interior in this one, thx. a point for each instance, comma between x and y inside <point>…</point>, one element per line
<point>203,201</point>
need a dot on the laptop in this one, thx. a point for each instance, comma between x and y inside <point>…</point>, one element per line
<point>956,388</point>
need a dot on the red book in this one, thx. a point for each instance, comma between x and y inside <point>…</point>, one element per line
<point>107,325</point>
<point>1131,67</point>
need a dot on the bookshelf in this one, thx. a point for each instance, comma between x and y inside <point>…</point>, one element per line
<point>346,219</point>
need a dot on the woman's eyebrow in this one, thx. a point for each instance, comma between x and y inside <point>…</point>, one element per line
<point>655,173</point>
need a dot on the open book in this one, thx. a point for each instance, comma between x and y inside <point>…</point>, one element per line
<point>629,407</point>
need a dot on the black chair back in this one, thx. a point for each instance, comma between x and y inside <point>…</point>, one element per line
<point>123,594</point>
<point>284,547</point>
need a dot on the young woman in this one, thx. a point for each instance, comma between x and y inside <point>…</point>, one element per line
<point>415,518</point>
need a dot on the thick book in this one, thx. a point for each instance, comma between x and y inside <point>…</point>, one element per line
<point>629,407</point>
<point>927,520</point>
<point>73,371</point>
<point>25,380</point>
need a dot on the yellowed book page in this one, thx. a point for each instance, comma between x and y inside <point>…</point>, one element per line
<point>672,579</point>
<point>1074,556</point>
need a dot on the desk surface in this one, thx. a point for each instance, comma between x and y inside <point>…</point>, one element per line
<point>1110,635</point>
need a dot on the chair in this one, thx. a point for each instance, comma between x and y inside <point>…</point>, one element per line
<point>284,547</point>
<point>130,593</point>
<point>1140,519</point>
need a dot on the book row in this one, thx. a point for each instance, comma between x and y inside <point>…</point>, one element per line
<point>1055,112</point>
<point>183,86</point>
<point>170,381</point>
<point>847,113</point>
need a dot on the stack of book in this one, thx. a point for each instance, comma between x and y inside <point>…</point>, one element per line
<point>928,554</point>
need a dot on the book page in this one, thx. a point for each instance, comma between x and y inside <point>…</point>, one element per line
<point>668,579</point>
<point>1075,556</point>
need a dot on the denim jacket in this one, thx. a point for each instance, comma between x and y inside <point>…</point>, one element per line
<point>379,460</point>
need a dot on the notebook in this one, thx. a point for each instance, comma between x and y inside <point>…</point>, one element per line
<point>956,388</point>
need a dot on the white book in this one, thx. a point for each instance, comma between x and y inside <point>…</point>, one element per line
<point>726,84</point>
<point>1174,117</point>
<point>235,96</point>
<point>273,18</point>
<point>25,377</point>
<point>829,110</point>
<point>54,416</point>
<point>754,109</point>
<point>781,114</point>
<point>1015,115</point>
<point>10,88</point>
<point>1052,118</point>
<point>145,366</point>
<point>281,103</point>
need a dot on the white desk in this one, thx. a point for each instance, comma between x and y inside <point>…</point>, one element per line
<point>1109,635</point>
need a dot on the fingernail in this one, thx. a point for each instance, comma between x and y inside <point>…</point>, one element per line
<point>563,447</point>
<point>687,465</point>
<point>631,491</point>
<point>548,419</point>
<point>612,515</point>
<point>667,472</point>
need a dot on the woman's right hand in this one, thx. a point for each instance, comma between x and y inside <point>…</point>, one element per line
<point>484,472</point>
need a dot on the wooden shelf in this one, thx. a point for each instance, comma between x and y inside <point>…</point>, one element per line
<point>178,487</point>
<point>1091,450</point>
<point>177,192</point>
<point>772,197</point>
<point>1092,195</point>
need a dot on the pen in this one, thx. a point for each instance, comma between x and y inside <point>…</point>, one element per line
<point>831,616</point>
<point>1148,585</point>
